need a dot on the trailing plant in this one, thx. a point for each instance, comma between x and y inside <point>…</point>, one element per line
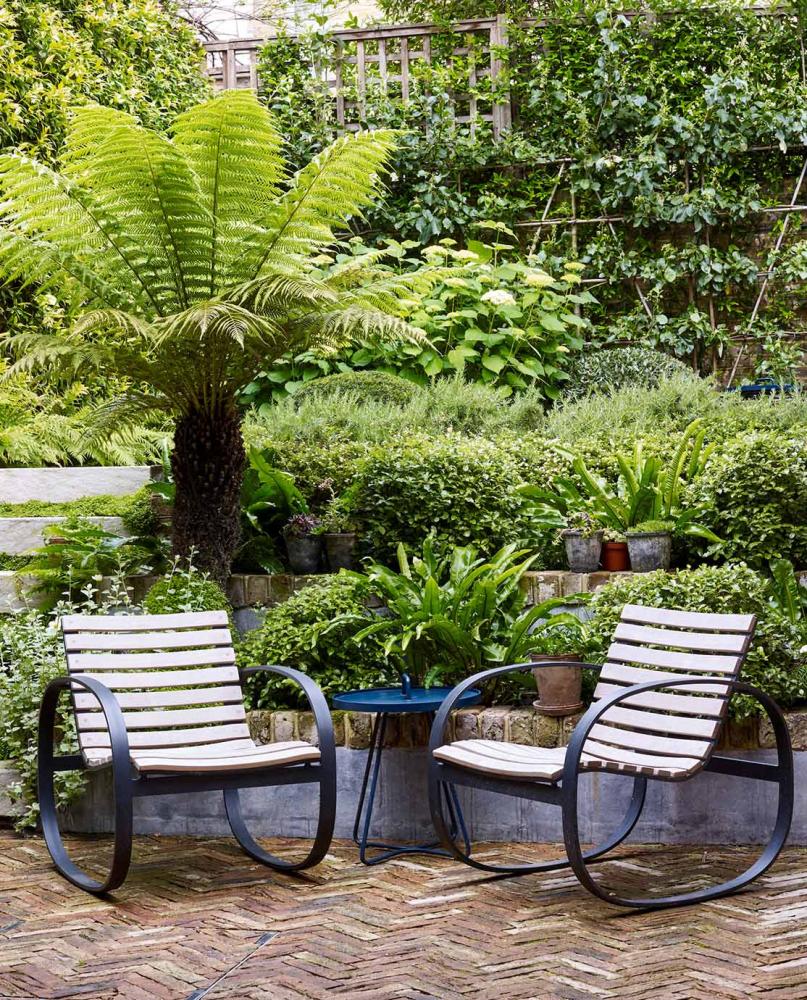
<point>300,633</point>
<point>775,657</point>
<point>148,234</point>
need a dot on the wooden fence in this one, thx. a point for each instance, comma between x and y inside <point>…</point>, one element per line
<point>384,57</point>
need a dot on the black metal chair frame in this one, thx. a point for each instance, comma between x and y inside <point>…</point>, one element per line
<point>128,785</point>
<point>565,793</point>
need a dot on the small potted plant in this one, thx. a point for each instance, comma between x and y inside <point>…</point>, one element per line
<point>582,537</point>
<point>650,546</point>
<point>339,530</point>
<point>303,543</point>
<point>559,688</point>
<point>615,558</point>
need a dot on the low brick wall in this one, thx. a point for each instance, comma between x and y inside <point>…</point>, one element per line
<point>510,724</point>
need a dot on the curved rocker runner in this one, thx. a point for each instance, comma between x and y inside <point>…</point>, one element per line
<point>658,712</point>
<point>158,698</point>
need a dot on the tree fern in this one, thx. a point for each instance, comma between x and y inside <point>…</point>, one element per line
<point>191,257</point>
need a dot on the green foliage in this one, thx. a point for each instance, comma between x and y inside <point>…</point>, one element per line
<point>674,121</point>
<point>79,554</point>
<point>32,655</point>
<point>453,615</point>
<point>183,589</point>
<point>125,506</point>
<point>774,658</point>
<point>665,410</point>
<point>788,593</point>
<point>754,495</point>
<point>622,367</point>
<point>268,499</point>
<point>134,55</point>
<point>294,634</point>
<point>464,490</point>
<point>359,386</point>
<point>646,489</point>
<point>138,514</point>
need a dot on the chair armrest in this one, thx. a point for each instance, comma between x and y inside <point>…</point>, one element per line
<point>575,748</point>
<point>438,726</point>
<point>315,698</point>
<point>118,737</point>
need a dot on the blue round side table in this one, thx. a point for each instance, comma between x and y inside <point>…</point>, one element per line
<point>383,702</point>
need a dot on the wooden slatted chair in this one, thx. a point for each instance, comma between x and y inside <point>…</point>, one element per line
<point>658,711</point>
<point>158,698</point>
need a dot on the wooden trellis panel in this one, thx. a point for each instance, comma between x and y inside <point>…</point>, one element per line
<point>383,58</point>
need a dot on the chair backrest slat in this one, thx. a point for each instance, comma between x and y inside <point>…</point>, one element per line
<point>673,731</point>
<point>174,677</point>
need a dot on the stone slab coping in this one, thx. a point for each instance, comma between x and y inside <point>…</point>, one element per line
<point>19,535</point>
<point>60,485</point>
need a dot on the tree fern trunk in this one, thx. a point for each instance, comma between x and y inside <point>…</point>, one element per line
<point>208,464</point>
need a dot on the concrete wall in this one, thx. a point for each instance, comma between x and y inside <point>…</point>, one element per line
<point>19,535</point>
<point>709,809</point>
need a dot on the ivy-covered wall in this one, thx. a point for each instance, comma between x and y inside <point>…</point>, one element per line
<point>674,134</point>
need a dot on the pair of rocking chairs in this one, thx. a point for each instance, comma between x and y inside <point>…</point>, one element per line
<point>158,699</point>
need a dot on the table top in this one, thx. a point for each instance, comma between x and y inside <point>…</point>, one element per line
<point>393,699</point>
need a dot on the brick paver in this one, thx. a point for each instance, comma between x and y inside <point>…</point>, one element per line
<point>198,920</point>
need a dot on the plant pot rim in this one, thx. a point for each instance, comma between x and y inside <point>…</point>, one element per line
<point>623,542</point>
<point>649,534</point>
<point>339,534</point>
<point>579,533</point>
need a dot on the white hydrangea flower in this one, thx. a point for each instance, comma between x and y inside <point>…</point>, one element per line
<point>499,297</point>
<point>539,279</point>
<point>465,255</point>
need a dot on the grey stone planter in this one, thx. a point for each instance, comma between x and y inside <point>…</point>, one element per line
<point>649,550</point>
<point>305,553</point>
<point>582,551</point>
<point>340,549</point>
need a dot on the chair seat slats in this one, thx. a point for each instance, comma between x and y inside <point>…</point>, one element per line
<point>172,737</point>
<point>75,641</point>
<point>638,675</point>
<point>665,701</point>
<point>88,662</point>
<point>687,619</point>
<point>673,660</point>
<point>88,721</point>
<point>660,722</point>
<point>707,642</point>
<point>167,698</point>
<point>168,678</point>
<point>143,623</point>
<point>503,759</point>
<point>646,761</point>
<point>650,743</point>
<point>275,755</point>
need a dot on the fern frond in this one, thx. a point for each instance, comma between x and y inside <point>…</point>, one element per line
<point>234,149</point>
<point>145,191</point>
<point>337,185</point>
<point>335,329</point>
<point>277,294</point>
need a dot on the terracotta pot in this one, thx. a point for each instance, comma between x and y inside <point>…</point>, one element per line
<point>340,549</point>
<point>615,557</point>
<point>649,550</point>
<point>559,688</point>
<point>582,551</point>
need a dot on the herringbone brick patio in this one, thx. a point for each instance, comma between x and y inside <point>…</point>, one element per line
<point>197,919</point>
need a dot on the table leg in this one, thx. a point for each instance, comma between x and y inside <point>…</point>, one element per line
<point>364,810</point>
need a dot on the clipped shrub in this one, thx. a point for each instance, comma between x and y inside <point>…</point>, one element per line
<point>360,385</point>
<point>293,635</point>
<point>463,489</point>
<point>605,370</point>
<point>139,517</point>
<point>754,491</point>
<point>184,590</point>
<point>774,660</point>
